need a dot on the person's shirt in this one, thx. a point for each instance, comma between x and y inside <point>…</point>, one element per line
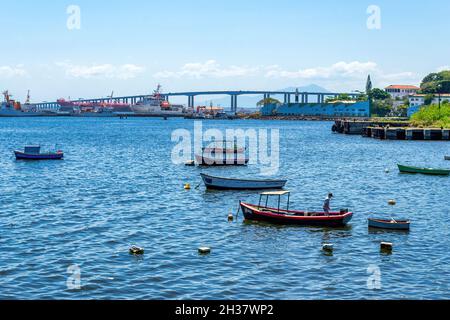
<point>326,203</point>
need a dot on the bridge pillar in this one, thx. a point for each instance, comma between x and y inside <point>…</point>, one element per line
<point>191,101</point>
<point>234,103</point>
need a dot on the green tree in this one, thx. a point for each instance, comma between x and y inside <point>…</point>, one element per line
<point>341,97</point>
<point>428,99</point>
<point>268,101</point>
<point>436,83</point>
<point>382,107</point>
<point>378,94</point>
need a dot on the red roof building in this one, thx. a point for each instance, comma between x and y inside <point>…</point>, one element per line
<point>401,91</point>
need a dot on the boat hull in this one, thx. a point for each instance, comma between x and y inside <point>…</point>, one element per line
<point>222,161</point>
<point>219,183</point>
<point>20,114</point>
<point>389,224</point>
<point>447,157</point>
<point>429,171</point>
<point>275,216</point>
<point>50,156</point>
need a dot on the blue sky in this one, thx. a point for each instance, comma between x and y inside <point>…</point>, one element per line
<point>130,46</point>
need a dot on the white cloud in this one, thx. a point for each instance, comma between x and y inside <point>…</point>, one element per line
<point>443,68</point>
<point>10,72</point>
<point>337,70</point>
<point>208,69</point>
<point>123,72</point>
<point>342,75</point>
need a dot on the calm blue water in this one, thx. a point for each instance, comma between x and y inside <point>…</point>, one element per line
<point>118,187</point>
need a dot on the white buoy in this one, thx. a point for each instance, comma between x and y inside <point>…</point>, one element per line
<point>204,250</point>
<point>387,170</point>
<point>392,202</point>
<point>230,217</point>
<point>328,247</point>
<point>136,250</point>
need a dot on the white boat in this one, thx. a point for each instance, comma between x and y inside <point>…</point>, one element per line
<point>219,183</point>
<point>157,105</point>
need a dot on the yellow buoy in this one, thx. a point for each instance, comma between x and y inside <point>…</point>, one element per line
<point>187,186</point>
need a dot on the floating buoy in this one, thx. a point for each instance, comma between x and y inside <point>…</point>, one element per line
<point>204,250</point>
<point>387,170</point>
<point>327,247</point>
<point>187,186</point>
<point>386,246</point>
<point>136,250</point>
<point>230,217</point>
<point>392,202</point>
<point>190,163</point>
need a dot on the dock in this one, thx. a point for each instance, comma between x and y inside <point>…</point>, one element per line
<point>358,126</point>
<point>390,130</point>
<point>432,134</point>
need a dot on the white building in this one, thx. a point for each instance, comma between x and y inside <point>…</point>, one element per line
<point>401,91</point>
<point>416,101</point>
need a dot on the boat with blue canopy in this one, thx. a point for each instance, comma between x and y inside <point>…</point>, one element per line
<point>34,153</point>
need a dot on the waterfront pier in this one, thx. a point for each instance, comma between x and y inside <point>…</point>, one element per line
<point>390,130</point>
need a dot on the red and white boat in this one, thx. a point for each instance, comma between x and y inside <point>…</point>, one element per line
<point>156,104</point>
<point>277,215</point>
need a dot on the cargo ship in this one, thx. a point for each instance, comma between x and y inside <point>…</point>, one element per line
<point>155,104</point>
<point>99,109</point>
<point>12,108</point>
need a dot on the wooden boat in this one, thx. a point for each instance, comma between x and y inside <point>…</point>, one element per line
<point>222,153</point>
<point>34,153</point>
<point>432,171</point>
<point>291,217</point>
<point>389,224</point>
<point>219,183</point>
<point>222,160</point>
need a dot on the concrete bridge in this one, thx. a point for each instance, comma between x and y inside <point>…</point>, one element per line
<point>292,96</point>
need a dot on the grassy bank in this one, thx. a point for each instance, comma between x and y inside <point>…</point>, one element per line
<point>431,117</point>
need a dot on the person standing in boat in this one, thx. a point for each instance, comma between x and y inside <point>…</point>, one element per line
<point>326,204</point>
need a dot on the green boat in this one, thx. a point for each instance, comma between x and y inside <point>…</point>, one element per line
<point>439,172</point>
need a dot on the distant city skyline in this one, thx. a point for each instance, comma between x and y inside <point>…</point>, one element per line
<point>130,46</point>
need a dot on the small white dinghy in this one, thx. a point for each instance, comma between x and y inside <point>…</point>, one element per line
<point>219,183</point>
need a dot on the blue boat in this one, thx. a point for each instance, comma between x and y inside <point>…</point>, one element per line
<point>34,153</point>
<point>389,224</point>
